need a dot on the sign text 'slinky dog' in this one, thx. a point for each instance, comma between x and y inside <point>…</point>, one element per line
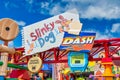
<point>49,33</point>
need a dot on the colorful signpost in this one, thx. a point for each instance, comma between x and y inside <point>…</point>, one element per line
<point>8,31</point>
<point>49,33</point>
<point>79,46</point>
<point>61,31</point>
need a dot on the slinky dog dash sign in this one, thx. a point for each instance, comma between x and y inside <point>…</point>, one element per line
<point>82,42</point>
<point>46,34</point>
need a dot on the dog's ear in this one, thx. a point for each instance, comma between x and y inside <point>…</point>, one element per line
<point>58,21</point>
<point>61,17</point>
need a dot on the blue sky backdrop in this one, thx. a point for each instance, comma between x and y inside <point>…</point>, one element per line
<point>100,16</point>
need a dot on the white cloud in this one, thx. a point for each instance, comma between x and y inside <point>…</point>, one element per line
<point>1,42</point>
<point>44,4</point>
<point>100,35</point>
<point>57,9</point>
<point>21,23</point>
<point>9,4</point>
<point>101,12</point>
<point>11,44</point>
<point>6,4</point>
<point>115,27</point>
<point>29,1</point>
<point>109,9</point>
<point>91,8</point>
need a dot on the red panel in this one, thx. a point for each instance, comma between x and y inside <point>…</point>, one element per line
<point>98,46</point>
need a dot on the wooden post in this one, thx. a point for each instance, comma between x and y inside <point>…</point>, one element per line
<point>4,58</point>
<point>8,31</point>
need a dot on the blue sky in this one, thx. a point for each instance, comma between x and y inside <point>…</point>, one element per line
<point>100,16</point>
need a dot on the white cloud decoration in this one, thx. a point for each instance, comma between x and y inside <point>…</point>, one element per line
<point>21,23</point>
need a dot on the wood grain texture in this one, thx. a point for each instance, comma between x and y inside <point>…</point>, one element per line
<point>8,29</point>
<point>4,48</point>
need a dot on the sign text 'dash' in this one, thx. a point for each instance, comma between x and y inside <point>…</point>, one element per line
<point>83,41</point>
<point>78,40</point>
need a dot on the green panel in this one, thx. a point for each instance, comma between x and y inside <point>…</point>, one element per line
<point>16,66</point>
<point>11,79</point>
<point>77,59</point>
<point>1,63</point>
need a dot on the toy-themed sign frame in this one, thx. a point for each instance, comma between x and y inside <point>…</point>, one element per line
<point>47,34</point>
<point>82,42</point>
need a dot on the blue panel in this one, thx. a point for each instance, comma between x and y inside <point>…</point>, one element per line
<point>81,34</point>
<point>84,38</point>
<point>77,66</point>
<point>47,67</point>
<point>2,78</point>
